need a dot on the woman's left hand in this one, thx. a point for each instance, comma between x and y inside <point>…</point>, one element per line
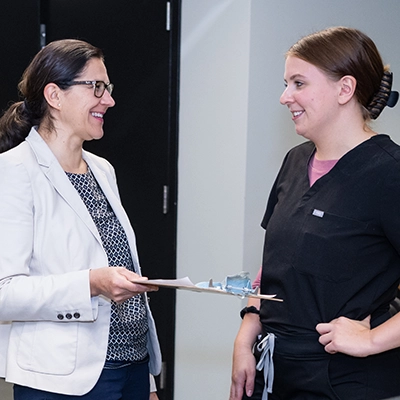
<point>153,396</point>
<point>348,336</point>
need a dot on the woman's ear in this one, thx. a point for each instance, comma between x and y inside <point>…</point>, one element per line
<point>52,93</point>
<point>348,86</point>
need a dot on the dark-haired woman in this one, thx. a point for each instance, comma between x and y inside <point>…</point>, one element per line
<point>73,322</point>
<point>332,243</point>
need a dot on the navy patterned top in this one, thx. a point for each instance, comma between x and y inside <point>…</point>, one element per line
<point>128,325</point>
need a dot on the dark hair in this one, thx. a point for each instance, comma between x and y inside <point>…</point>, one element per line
<point>341,51</point>
<point>59,62</point>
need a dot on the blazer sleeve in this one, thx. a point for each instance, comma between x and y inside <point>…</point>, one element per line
<point>59,297</point>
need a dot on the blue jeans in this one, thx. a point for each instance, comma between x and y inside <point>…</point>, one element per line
<point>116,382</point>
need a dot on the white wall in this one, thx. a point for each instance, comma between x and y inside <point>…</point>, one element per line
<point>212,173</point>
<point>233,136</point>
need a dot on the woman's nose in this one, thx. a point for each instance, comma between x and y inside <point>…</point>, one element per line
<point>284,99</point>
<point>108,99</point>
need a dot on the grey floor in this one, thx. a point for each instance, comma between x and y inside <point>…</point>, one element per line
<point>5,390</point>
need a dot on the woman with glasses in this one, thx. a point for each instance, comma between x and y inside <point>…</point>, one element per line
<point>74,316</point>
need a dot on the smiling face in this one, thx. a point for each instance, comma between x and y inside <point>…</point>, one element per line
<point>81,115</point>
<point>311,97</point>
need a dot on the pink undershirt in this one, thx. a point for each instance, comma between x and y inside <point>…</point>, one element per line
<point>316,169</point>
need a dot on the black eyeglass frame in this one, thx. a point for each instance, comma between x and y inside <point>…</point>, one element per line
<point>106,86</point>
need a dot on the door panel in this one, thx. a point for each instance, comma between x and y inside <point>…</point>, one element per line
<point>19,32</point>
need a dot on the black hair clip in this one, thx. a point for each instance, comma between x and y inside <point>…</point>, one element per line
<point>393,98</point>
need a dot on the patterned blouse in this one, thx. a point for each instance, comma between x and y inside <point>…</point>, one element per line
<point>128,325</point>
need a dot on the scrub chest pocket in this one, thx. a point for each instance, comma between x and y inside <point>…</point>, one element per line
<point>326,247</point>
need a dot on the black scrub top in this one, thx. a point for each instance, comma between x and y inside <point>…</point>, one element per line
<point>332,249</point>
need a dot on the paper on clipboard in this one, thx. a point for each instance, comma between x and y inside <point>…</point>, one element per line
<point>187,284</point>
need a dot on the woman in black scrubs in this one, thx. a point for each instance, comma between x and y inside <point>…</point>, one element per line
<point>332,242</point>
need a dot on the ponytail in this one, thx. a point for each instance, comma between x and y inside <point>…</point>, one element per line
<point>15,125</point>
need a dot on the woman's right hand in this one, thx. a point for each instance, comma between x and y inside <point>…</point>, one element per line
<point>243,373</point>
<point>116,283</point>
<point>244,363</point>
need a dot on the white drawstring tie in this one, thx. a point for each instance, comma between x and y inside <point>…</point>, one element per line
<point>266,348</point>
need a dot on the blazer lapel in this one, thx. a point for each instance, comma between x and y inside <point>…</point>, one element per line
<point>59,180</point>
<point>56,175</point>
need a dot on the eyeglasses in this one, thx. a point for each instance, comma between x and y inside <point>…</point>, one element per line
<point>99,86</point>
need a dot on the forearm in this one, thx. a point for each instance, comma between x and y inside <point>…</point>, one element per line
<point>386,336</point>
<point>250,327</point>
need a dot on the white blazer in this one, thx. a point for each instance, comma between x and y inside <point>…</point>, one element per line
<point>53,335</point>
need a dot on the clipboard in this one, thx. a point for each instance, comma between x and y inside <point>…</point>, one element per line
<point>186,284</point>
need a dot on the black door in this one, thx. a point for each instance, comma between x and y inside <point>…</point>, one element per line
<point>140,40</point>
<point>19,33</point>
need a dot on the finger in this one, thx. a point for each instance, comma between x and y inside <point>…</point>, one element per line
<point>323,328</point>
<point>329,348</point>
<point>324,339</point>
<point>139,278</point>
<point>236,392</point>
<point>249,387</point>
<point>152,288</point>
<point>146,288</point>
<point>130,275</point>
